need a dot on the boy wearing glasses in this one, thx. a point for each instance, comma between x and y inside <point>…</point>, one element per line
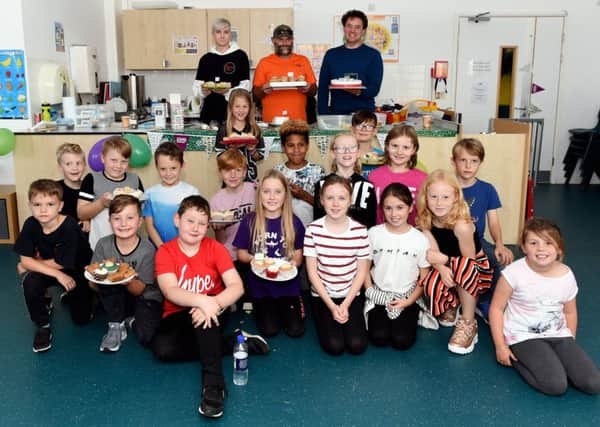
<point>364,129</point>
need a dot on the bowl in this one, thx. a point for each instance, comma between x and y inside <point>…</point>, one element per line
<point>335,122</point>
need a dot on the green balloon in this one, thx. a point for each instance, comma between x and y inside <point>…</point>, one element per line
<point>7,141</point>
<point>141,154</point>
<point>421,166</point>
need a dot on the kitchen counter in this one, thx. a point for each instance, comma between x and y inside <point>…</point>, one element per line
<point>34,158</point>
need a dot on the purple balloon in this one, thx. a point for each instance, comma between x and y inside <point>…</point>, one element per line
<point>95,156</point>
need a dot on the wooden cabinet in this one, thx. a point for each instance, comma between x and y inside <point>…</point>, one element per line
<point>150,36</point>
<point>163,38</point>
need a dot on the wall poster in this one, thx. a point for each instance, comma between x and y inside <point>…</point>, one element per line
<point>13,85</point>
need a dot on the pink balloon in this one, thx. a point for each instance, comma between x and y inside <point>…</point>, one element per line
<point>95,156</point>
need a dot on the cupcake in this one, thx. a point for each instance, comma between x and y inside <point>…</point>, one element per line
<point>269,261</point>
<point>110,266</point>
<point>100,274</point>
<point>285,268</point>
<point>272,272</point>
<point>259,261</point>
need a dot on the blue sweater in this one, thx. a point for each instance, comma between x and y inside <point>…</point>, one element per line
<point>339,61</point>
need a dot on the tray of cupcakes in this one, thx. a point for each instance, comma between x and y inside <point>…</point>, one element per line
<point>275,269</point>
<point>109,272</point>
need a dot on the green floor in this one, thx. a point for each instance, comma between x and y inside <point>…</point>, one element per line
<point>297,384</point>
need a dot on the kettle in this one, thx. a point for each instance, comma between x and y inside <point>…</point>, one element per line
<point>132,88</point>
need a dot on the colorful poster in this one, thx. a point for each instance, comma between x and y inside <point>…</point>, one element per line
<point>185,45</point>
<point>13,85</point>
<point>383,33</point>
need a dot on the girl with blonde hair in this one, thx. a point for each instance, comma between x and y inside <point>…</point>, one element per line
<point>274,232</point>
<point>461,271</point>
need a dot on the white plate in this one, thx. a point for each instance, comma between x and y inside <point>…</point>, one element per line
<point>280,277</point>
<point>90,277</point>
<point>346,87</point>
<point>287,85</point>
<point>222,222</point>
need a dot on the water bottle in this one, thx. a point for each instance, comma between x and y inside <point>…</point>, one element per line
<point>240,361</point>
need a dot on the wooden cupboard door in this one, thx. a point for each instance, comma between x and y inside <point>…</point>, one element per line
<point>264,22</point>
<point>181,27</point>
<point>143,35</point>
<point>240,25</point>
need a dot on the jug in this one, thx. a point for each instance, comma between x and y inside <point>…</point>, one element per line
<point>132,88</point>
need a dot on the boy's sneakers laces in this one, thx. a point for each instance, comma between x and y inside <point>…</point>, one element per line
<point>464,338</point>
<point>448,317</point>
<point>42,341</point>
<point>256,344</point>
<point>213,397</point>
<point>116,333</point>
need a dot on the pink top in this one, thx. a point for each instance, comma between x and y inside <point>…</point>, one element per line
<point>383,176</point>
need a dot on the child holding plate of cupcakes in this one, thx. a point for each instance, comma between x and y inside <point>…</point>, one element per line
<point>270,240</point>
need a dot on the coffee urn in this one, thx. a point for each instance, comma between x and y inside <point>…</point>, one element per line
<point>132,88</point>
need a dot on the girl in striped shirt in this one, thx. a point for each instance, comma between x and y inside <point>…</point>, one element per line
<point>336,248</point>
<point>461,271</point>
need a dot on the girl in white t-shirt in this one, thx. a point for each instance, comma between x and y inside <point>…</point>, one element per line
<point>398,252</point>
<point>533,316</point>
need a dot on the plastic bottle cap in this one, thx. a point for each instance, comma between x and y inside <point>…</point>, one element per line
<point>241,339</point>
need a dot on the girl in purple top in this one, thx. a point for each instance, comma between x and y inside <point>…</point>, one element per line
<point>277,233</point>
<point>401,146</point>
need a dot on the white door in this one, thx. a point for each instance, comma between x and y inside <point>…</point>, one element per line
<point>538,56</point>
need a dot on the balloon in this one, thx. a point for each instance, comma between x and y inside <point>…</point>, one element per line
<point>421,166</point>
<point>95,156</point>
<point>141,154</point>
<point>7,141</point>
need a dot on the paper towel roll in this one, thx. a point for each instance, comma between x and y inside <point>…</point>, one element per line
<point>68,103</point>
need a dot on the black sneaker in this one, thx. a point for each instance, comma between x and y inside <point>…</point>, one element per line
<point>42,340</point>
<point>256,344</point>
<point>213,397</point>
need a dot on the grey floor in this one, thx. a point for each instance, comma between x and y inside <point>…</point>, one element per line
<point>297,384</point>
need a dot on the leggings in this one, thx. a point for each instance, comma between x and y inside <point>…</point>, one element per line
<point>547,363</point>
<point>335,337</point>
<point>400,332</point>
<point>177,340</point>
<point>275,314</point>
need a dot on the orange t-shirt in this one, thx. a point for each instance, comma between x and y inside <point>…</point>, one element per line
<point>293,101</point>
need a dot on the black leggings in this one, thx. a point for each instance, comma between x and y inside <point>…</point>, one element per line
<point>400,332</point>
<point>274,314</point>
<point>547,363</point>
<point>176,340</point>
<point>79,298</point>
<point>335,337</point>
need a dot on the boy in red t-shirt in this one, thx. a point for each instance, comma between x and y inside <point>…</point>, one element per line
<point>198,280</point>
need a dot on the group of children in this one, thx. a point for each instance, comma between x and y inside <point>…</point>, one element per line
<point>381,255</point>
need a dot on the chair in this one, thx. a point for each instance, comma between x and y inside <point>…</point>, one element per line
<point>585,146</point>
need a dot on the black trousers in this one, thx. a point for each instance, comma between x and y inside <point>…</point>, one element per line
<point>176,340</point>
<point>400,332</point>
<point>274,314</point>
<point>336,337</point>
<point>79,298</point>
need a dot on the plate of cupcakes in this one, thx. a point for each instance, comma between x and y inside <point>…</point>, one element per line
<point>274,269</point>
<point>109,272</point>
